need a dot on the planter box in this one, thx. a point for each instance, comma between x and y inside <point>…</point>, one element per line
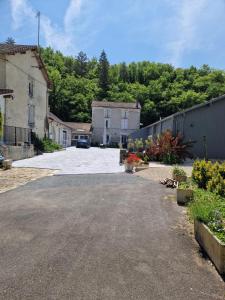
<point>142,167</point>
<point>211,244</point>
<point>184,196</point>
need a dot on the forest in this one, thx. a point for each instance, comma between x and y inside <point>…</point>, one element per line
<point>160,88</point>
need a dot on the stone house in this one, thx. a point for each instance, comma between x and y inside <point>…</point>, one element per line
<point>113,122</point>
<point>59,131</point>
<point>203,124</point>
<point>80,131</point>
<point>22,70</point>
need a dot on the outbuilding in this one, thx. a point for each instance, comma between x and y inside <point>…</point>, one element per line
<point>204,124</point>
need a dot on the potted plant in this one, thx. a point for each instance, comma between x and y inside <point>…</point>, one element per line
<point>131,162</point>
<point>185,192</point>
<point>179,174</point>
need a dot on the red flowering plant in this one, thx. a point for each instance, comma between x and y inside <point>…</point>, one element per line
<point>132,159</point>
<point>169,149</point>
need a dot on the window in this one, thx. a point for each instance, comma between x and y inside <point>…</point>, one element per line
<point>124,114</point>
<point>107,113</point>
<point>31,88</point>
<point>107,139</point>
<point>124,124</point>
<point>31,115</point>
<point>107,124</point>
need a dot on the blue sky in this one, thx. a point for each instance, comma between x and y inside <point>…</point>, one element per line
<point>180,32</point>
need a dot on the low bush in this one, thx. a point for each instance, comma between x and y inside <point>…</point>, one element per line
<point>209,208</point>
<point>50,146</point>
<point>210,176</point>
<point>201,173</point>
<point>179,172</point>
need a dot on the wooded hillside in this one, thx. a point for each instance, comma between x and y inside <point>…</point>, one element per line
<point>160,88</point>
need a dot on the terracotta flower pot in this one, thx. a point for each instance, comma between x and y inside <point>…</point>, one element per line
<point>129,168</point>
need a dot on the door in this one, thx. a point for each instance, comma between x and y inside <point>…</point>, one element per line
<point>64,138</point>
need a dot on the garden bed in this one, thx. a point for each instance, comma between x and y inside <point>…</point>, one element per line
<point>214,248</point>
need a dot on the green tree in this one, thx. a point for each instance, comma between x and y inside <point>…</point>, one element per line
<point>81,64</point>
<point>103,73</point>
<point>10,41</point>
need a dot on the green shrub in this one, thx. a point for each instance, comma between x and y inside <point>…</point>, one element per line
<point>189,184</point>
<point>170,159</point>
<point>210,176</point>
<point>178,171</point>
<point>202,173</point>
<point>130,145</point>
<point>139,145</point>
<point>50,146</point>
<point>217,185</point>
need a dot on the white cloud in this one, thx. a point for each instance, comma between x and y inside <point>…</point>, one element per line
<point>184,27</point>
<point>72,12</point>
<point>59,38</point>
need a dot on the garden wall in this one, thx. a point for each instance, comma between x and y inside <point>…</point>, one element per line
<point>17,152</point>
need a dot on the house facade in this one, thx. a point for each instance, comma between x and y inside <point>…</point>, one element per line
<point>113,122</point>
<point>59,131</point>
<point>203,124</point>
<point>22,70</point>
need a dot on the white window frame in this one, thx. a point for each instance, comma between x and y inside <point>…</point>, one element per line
<point>125,114</point>
<point>107,113</point>
<point>124,124</point>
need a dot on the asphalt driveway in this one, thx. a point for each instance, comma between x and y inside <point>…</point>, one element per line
<point>76,161</point>
<point>85,237</point>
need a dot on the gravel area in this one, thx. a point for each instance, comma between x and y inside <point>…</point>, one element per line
<point>76,161</point>
<point>15,177</point>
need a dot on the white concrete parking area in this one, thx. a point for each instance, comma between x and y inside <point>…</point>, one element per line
<point>76,161</point>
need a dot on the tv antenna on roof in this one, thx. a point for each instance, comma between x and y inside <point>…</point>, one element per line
<point>39,18</point>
